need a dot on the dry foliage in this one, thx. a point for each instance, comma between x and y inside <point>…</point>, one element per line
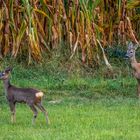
<point>31,27</point>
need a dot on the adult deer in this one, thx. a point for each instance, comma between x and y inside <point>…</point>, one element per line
<point>134,64</point>
<point>32,97</point>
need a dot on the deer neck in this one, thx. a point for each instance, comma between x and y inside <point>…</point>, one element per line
<point>7,84</point>
<point>133,61</point>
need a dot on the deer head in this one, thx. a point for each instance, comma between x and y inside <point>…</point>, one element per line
<point>131,50</point>
<point>5,74</point>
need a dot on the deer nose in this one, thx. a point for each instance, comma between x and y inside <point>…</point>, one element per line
<point>126,56</point>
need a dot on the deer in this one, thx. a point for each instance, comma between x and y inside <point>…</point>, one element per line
<point>32,97</point>
<point>134,64</point>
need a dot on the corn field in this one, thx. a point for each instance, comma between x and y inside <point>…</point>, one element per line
<point>31,28</point>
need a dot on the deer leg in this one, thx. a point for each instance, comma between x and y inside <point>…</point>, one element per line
<point>35,113</point>
<point>39,105</point>
<point>13,111</point>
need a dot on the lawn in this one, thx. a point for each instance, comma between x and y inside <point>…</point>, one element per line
<point>80,108</point>
<point>76,119</point>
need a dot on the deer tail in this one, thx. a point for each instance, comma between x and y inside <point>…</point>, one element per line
<point>39,94</point>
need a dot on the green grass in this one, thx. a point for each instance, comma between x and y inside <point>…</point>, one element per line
<point>76,118</point>
<point>91,106</point>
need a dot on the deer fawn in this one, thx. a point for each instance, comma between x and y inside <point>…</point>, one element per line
<point>134,64</point>
<point>32,97</point>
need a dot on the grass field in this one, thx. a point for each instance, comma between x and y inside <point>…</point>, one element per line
<point>75,118</point>
<point>86,108</point>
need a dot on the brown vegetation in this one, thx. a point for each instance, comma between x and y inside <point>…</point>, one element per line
<point>31,27</point>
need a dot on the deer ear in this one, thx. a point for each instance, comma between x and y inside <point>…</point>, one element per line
<point>7,70</point>
<point>127,43</point>
<point>136,46</point>
<point>130,45</point>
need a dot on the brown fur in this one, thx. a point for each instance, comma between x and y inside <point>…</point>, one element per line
<point>32,97</point>
<point>134,64</point>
